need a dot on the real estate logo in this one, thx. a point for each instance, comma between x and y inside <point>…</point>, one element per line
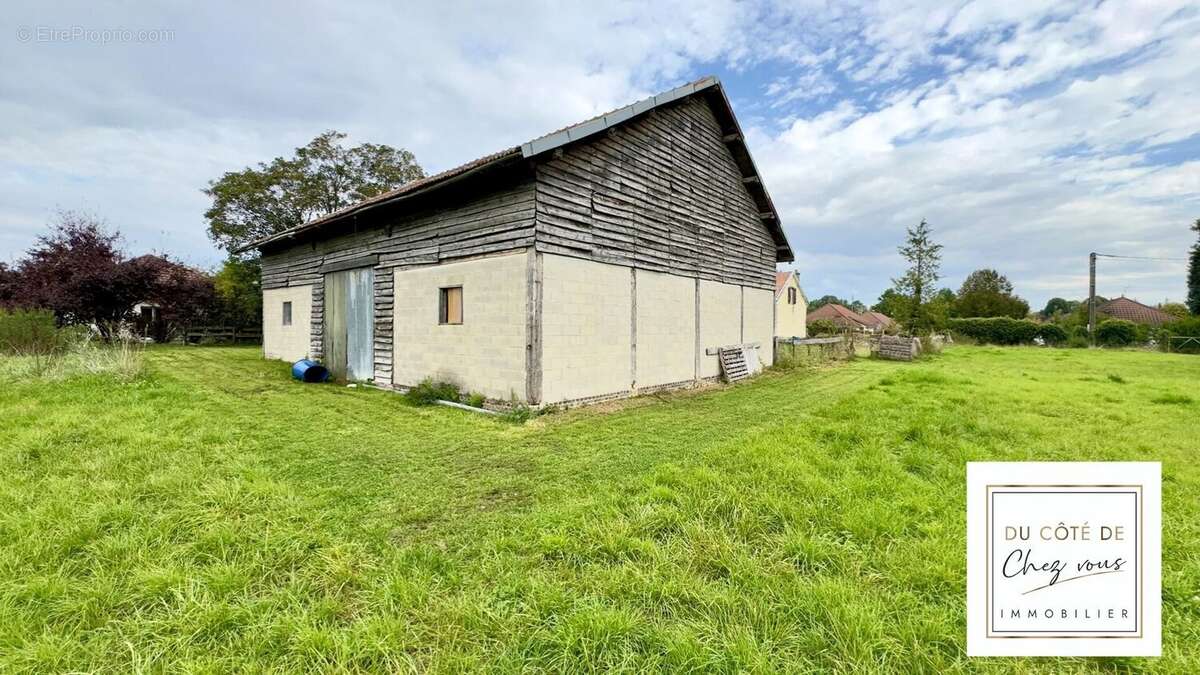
<point>1063,558</point>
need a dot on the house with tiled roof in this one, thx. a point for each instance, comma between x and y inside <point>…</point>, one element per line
<point>877,322</point>
<point>791,307</point>
<point>612,257</point>
<point>1132,310</point>
<point>843,317</point>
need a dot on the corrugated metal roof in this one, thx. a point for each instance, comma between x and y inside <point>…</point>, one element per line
<point>556,139</point>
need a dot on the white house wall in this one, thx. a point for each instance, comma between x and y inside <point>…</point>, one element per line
<point>290,343</point>
<point>791,320</point>
<point>486,353</point>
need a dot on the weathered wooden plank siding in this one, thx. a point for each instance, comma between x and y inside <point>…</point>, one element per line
<point>662,193</point>
<point>500,221</point>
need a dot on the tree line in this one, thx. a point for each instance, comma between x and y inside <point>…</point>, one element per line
<point>920,307</point>
<point>79,271</point>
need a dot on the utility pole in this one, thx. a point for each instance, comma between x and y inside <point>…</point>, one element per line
<point>1092,297</point>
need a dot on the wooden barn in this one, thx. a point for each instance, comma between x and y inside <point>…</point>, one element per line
<point>610,258</point>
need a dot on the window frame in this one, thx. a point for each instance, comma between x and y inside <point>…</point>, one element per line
<point>792,295</point>
<point>286,313</point>
<point>444,306</point>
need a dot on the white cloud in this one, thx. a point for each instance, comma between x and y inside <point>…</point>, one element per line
<point>1028,134</point>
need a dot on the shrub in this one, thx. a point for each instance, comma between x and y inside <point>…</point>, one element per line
<point>1052,334</point>
<point>30,332</point>
<point>1116,333</point>
<point>822,327</point>
<point>999,330</point>
<point>930,346</point>
<point>428,391</point>
<point>518,414</point>
<point>475,400</point>
<point>1189,327</point>
<point>1078,342</point>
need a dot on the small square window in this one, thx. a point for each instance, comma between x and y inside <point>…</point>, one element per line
<point>450,306</point>
<point>287,313</point>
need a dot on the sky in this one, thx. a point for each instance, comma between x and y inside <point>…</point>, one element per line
<point>1027,133</point>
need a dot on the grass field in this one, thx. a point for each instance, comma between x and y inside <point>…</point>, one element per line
<point>213,515</point>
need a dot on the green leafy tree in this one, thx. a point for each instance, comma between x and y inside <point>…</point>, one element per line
<point>1193,279</point>
<point>1177,310</point>
<point>987,293</point>
<point>892,304</point>
<point>924,262</point>
<point>323,176</point>
<point>825,300</point>
<point>1058,307</point>
<point>238,286</point>
<point>856,306</point>
<point>940,308</point>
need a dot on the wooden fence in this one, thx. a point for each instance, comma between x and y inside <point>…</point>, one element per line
<point>226,334</point>
<point>825,347</point>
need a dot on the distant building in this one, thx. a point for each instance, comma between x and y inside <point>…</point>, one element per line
<point>791,307</point>
<point>842,317</point>
<point>1132,310</point>
<point>878,322</point>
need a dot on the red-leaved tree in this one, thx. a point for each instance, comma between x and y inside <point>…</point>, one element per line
<point>78,271</point>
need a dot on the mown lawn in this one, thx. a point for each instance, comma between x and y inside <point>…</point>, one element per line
<point>216,516</point>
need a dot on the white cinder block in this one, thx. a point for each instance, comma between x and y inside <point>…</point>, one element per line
<point>292,342</point>
<point>758,311</point>
<point>586,315</point>
<point>666,328</point>
<point>486,353</point>
<point>720,322</point>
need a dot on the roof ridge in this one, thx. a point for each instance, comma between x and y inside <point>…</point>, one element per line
<point>576,132</point>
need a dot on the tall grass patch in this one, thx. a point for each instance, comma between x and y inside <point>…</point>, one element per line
<point>33,347</point>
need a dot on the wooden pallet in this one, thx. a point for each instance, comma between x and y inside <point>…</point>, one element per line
<point>733,364</point>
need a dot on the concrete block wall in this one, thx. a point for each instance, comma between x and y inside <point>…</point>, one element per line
<point>486,353</point>
<point>758,321</point>
<point>666,329</point>
<point>720,322</point>
<point>586,337</point>
<point>289,343</point>
<point>589,324</point>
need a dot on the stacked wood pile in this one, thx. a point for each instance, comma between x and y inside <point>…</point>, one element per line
<point>899,348</point>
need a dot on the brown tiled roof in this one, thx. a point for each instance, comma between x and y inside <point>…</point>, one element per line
<point>781,281</point>
<point>835,312</point>
<point>1132,310</point>
<point>877,319</point>
<point>559,138</point>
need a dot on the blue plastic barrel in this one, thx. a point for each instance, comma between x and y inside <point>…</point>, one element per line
<point>309,371</point>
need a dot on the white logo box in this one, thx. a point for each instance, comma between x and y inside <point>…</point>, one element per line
<point>1064,558</point>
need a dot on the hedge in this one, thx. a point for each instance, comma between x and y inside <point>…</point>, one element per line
<point>999,330</point>
<point>1117,333</point>
<point>1052,334</point>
